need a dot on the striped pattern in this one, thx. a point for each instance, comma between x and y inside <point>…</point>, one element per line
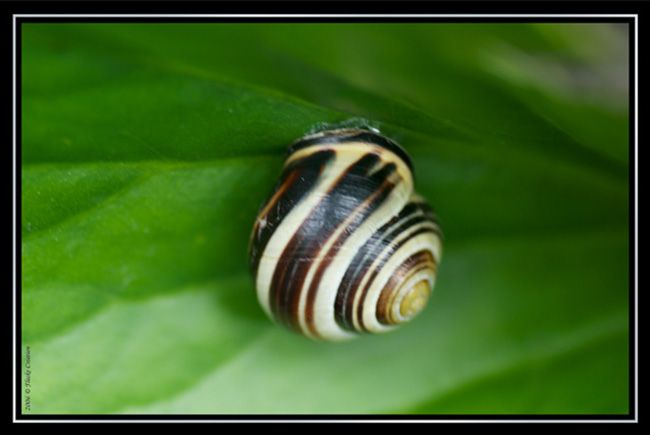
<point>343,245</point>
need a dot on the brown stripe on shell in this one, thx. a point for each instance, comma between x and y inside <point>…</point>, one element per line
<point>297,180</point>
<point>359,216</point>
<point>351,189</point>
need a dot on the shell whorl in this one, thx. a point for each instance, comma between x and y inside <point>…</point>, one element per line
<point>344,244</point>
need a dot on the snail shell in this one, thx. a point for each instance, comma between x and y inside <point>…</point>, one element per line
<point>344,244</point>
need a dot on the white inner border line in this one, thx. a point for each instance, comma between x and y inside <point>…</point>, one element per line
<point>636,219</point>
<point>13,242</point>
<point>635,16</point>
<point>297,417</point>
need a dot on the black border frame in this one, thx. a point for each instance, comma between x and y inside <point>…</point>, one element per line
<point>119,9</point>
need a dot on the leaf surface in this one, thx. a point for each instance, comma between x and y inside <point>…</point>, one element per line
<point>148,148</point>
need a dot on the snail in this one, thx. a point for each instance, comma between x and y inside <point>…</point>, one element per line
<point>344,245</point>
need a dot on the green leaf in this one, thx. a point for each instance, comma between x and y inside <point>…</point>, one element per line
<point>148,148</point>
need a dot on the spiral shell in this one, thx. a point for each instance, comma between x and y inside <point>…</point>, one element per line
<point>344,245</point>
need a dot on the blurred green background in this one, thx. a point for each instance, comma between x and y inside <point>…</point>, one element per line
<point>148,148</point>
